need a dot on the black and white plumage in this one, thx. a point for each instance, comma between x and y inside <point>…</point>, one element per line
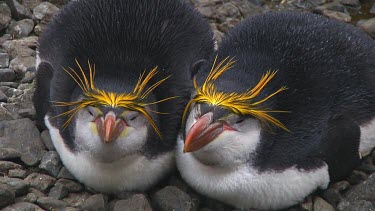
<point>111,148</point>
<point>328,68</point>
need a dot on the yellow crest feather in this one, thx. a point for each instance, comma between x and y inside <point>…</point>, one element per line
<point>239,103</point>
<point>96,97</point>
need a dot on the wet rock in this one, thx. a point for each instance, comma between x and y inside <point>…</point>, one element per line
<point>340,16</point>
<point>24,137</point>
<point>9,84</point>
<point>49,203</point>
<point>20,64</point>
<point>27,113</point>
<point>7,165</point>
<point>45,11</point>
<point>47,141</point>
<point>29,76</point>
<point>7,195</point>
<point>218,35</point>
<point>97,202</point>
<point>17,173</point>
<point>7,75</point>
<point>321,205</point>
<point>72,186</point>
<point>19,11</point>
<point>21,28</point>
<point>18,185</point>
<point>341,186</point>
<point>369,27</point>
<point>172,198</point>
<point>352,3</point>
<point>356,177</point>
<point>40,181</point>
<point>4,60</point>
<point>8,154</point>
<point>135,203</point>
<point>76,199</point>
<point>51,163</point>
<point>332,196</point>
<point>58,192</point>
<point>307,205</point>
<point>23,206</point>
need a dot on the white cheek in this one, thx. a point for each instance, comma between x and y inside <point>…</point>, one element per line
<point>132,139</point>
<point>86,135</point>
<point>190,121</point>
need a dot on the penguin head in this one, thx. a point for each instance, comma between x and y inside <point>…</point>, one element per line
<point>107,124</point>
<point>224,128</point>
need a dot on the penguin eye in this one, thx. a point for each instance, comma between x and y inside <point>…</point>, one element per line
<point>131,116</point>
<point>92,111</point>
<point>240,120</point>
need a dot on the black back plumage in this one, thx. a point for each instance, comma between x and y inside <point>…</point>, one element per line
<point>329,69</point>
<point>123,38</point>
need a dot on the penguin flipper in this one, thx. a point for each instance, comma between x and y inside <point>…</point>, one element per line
<point>340,142</point>
<point>41,95</point>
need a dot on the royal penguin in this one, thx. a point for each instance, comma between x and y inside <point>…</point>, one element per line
<point>113,78</point>
<point>284,107</point>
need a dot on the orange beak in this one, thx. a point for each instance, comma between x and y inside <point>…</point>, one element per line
<point>202,133</point>
<point>110,129</point>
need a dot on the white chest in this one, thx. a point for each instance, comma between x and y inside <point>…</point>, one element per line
<point>134,172</point>
<point>244,187</point>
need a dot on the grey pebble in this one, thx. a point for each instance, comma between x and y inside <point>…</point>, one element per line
<point>352,3</point>
<point>58,192</point>
<point>20,64</point>
<point>21,28</point>
<point>96,202</point>
<point>31,197</point>
<point>19,186</point>
<point>368,26</point>
<point>64,173</point>
<point>47,141</point>
<point>3,97</point>
<point>17,173</point>
<point>23,136</point>
<point>4,60</point>
<point>172,198</point>
<point>356,177</point>
<point>49,203</point>
<point>7,195</point>
<point>321,205</point>
<point>7,74</point>
<point>23,206</point>
<point>40,181</point>
<point>45,11</point>
<point>8,154</point>
<point>71,185</point>
<point>5,16</point>
<point>51,163</point>
<point>5,166</point>
<point>18,10</point>
<point>137,202</point>
<point>77,199</point>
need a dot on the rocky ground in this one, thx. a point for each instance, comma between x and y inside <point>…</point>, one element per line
<point>32,176</point>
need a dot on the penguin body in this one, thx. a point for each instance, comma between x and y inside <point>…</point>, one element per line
<point>270,146</point>
<point>113,77</point>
